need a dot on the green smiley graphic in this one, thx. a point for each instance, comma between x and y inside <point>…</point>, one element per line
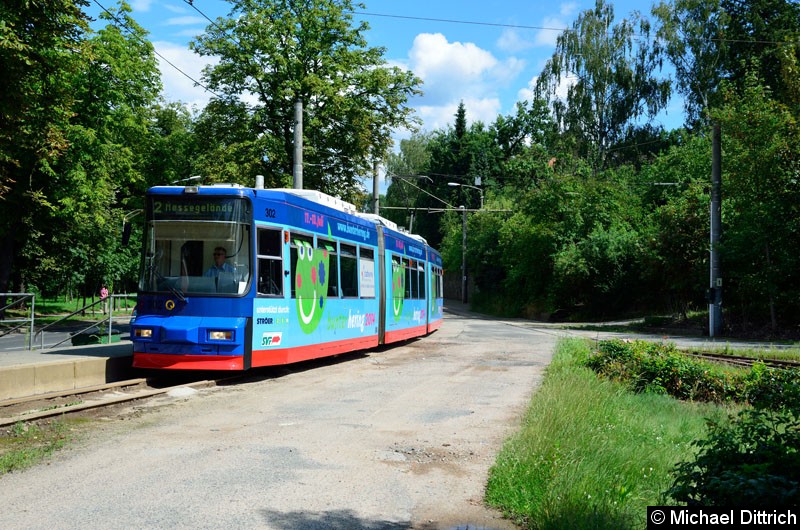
<point>398,289</point>
<point>311,284</point>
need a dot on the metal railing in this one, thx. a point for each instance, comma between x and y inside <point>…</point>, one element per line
<point>107,320</point>
<point>19,300</point>
<point>114,304</point>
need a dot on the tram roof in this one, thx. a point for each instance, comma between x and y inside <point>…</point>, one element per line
<point>314,196</point>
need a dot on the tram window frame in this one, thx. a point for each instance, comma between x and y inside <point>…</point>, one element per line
<point>348,269</point>
<point>333,265</point>
<point>411,277</point>
<point>268,259</point>
<point>422,278</point>
<point>293,238</point>
<point>366,254</point>
<point>398,261</point>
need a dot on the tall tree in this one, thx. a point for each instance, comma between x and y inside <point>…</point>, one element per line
<point>760,210</point>
<point>692,32</point>
<point>406,171</point>
<point>765,35</point>
<point>104,168</point>
<point>283,51</point>
<point>609,70</point>
<point>41,49</point>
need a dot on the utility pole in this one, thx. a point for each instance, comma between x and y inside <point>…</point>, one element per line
<point>715,298</point>
<point>297,174</point>
<point>464,256</point>
<point>376,198</point>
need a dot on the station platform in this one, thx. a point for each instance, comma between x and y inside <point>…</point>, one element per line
<point>25,373</point>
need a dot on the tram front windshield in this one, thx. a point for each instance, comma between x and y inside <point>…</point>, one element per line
<point>197,246</point>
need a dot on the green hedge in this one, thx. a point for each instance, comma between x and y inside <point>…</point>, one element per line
<point>661,368</point>
<point>755,456</point>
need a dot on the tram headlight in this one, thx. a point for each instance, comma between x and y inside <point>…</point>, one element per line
<point>220,335</point>
<point>143,333</point>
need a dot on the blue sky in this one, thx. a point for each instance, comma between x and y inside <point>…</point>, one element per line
<point>489,63</point>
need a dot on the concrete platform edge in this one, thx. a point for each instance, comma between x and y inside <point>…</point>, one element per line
<point>74,368</point>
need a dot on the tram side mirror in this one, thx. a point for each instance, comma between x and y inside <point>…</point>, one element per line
<point>126,234</point>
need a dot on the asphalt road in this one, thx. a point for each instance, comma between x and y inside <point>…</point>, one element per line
<point>398,438</point>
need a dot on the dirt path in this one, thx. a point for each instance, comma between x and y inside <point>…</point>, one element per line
<point>393,439</point>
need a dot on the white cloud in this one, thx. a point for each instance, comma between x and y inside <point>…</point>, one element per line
<point>177,87</point>
<point>141,5</point>
<point>513,41</point>
<point>555,25</point>
<point>440,116</point>
<point>187,20</point>
<point>433,58</point>
<point>458,71</point>
<point>552,28</point>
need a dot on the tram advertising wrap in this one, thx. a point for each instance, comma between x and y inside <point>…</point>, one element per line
<point>236,277</point>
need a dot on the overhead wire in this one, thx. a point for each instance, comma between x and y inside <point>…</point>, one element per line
<point>122,25</point>
<point>542,28</point>
<point>191,4</point>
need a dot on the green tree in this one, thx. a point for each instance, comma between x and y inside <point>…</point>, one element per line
<point>761,206</point>
<point>609,71</point>
<point>764,35</point>
<point>102,174</point>
<point>308,50</point>
<point>173,145</point>
<point>406,172</point>
<point>692,32</point>
<point>41,49</point>
<point>229,151</point>
<point>674,190</point>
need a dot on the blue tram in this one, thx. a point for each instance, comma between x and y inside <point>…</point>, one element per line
<point>235,277</point>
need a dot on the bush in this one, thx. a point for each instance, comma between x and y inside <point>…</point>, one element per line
<point>660,368</point>
<point>754,458</point>
<point>772,388</point>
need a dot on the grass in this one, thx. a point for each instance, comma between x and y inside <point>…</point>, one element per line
<point>591,454</point>
<point>26,444</point>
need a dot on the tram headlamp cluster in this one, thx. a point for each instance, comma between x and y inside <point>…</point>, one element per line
<point>220,335</point>
<point>143,333</point>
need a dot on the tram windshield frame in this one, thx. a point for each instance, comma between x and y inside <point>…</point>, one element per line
<point>182,236</point>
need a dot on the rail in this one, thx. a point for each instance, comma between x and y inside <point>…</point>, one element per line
<point>106,320</point>
<point>19,301</point>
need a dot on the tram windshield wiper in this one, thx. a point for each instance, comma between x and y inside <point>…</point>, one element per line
<point>176,292</point>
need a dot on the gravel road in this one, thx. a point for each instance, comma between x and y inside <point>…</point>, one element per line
<point>397,438</point>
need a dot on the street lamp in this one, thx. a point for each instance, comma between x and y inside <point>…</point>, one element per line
<point>458,184</point>
<point>464,239</point>
<point>404,178</point>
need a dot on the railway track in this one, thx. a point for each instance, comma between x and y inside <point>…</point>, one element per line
<point>78,400</point>
<point>737,360</point>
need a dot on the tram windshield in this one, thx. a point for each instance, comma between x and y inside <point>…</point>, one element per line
<point>197,246</point>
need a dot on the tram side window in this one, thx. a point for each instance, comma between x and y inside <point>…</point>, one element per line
<point>298,240</point>
<point>396,265</point>
<point>270,262</point>
<point>422,283</point>
<point>367,272</point>
<point>349,270</point>
<point>411,279</point>
<point>333,267</point>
